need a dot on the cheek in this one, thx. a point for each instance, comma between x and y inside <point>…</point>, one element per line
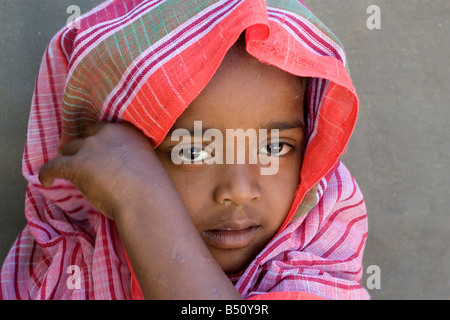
<point>280,189</point>
<point>280,195</point>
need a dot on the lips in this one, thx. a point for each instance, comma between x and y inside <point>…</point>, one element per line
<point>231,237</point>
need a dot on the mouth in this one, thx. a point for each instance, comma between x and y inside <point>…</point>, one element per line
<point>229,238</point>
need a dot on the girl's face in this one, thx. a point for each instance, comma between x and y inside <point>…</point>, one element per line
<point>235,208</point>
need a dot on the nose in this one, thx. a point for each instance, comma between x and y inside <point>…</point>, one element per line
<point>237,184</point>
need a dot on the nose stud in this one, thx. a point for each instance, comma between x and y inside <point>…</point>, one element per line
<point>222,219</point>
<point>226,202</point>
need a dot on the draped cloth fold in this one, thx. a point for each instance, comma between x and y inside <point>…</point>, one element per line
<point>143,62</point>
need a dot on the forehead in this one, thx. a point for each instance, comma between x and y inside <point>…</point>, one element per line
<point>246,93</point>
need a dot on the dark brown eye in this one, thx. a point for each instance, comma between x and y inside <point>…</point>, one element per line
<point>275,149</point>
<point>193,154</point>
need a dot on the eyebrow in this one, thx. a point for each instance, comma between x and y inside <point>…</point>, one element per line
<point>286,125</point>
<point>280,125</point>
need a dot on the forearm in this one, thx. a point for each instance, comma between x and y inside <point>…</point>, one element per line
<point>168,256</point>
<point>116,169</point>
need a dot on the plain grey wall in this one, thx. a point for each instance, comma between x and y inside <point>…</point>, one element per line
<point>399,153</point>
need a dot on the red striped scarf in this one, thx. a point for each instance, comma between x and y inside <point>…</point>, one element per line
<point>144,62</point>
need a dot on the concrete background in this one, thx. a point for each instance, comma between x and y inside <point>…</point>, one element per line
<point>399,153</point>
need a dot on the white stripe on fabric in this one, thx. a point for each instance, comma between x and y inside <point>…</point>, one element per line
<point>285,15</point>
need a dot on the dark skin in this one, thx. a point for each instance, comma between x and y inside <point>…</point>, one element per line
<point>211,219</point>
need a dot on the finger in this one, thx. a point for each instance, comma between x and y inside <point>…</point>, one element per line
<point>72,147</point>
<point>93,128</point>
<point>56,168</point>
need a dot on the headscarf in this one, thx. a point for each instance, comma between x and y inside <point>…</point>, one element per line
<point>144,61</point>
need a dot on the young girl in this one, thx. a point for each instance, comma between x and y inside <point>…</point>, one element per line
<point>113,214</point>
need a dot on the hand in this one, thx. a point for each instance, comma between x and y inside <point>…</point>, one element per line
<point>109,165</point>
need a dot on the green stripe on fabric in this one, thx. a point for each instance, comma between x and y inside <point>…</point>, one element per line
<point>309,201</point>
